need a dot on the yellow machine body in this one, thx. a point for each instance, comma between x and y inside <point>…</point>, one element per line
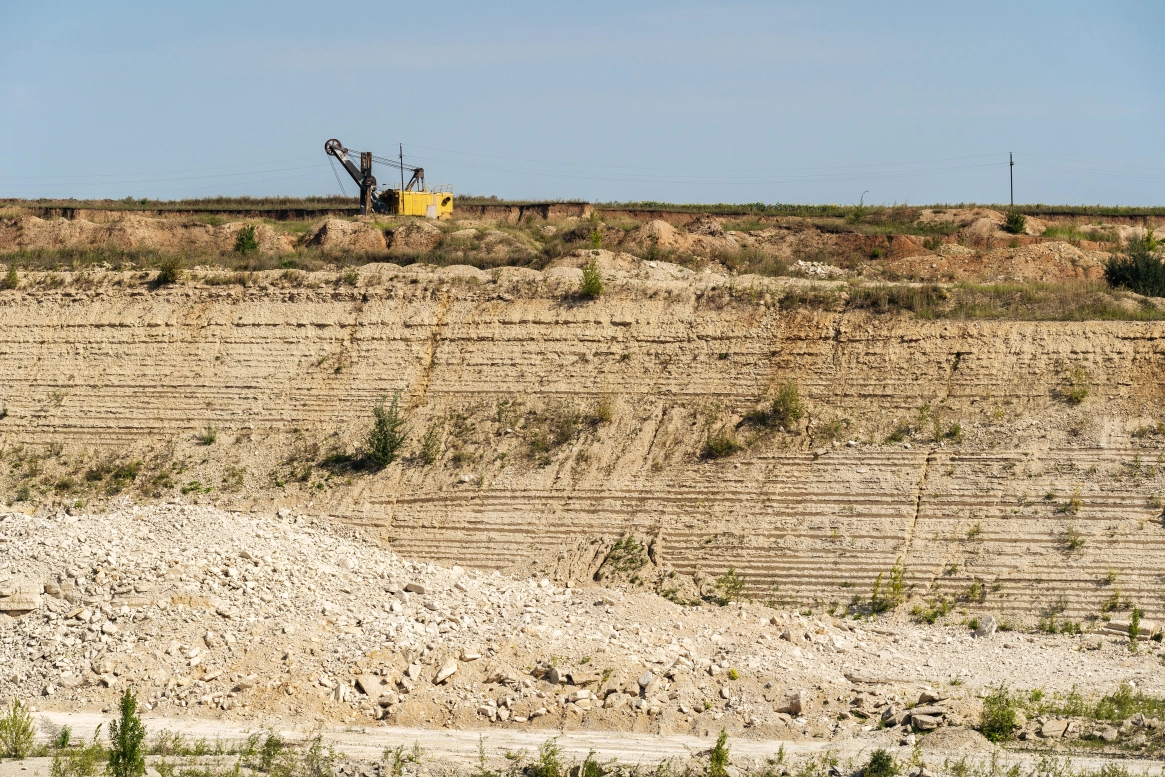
<point>436,204</point>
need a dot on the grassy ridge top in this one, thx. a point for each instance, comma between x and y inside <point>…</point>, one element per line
<point>340,203</point>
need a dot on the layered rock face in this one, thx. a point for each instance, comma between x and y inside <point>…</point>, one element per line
<point>1012,466</point>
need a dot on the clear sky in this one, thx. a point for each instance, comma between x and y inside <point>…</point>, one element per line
<point>684,102</point>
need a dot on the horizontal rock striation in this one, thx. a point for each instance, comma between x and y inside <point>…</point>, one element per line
<point>996,491</point>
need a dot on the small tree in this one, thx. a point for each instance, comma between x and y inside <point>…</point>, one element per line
<point>591,285</point>
<point>718,758</point>
<point>16,731</point>
<point>127,734</point>
<point>245,241</point>
<point>1015,223</point>
<point>11,279</point>
<point>388,432</point>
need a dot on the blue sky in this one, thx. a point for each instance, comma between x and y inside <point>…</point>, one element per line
<point>727,102</point>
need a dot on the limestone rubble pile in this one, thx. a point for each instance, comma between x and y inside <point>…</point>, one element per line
<point>217,613</point>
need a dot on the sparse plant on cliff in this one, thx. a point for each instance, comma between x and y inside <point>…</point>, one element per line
<point>245,240</point>
<point>431,443</point>
<point>1075,388</point>
<point>784,411</point>
<point>388,432</point>
<point>591,285</point>
<point>720,445</point>
<point>729,587</point>
<point>1015,222</point>
<point>11,278</point>
<point>207,436</point>
<point>891,594</point>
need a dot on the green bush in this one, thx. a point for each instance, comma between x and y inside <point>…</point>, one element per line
<point>784,411</point>
<point>1138,269</point>
<point>997,718</point>
<point>549,763</point>
<point>729,587</point>
<point>881,764</point>
<point>169,271</point>
<point>245,241</point>
<point>718,758</point>
<point>431,443</point>
<point>1016,222</point>
<point>16,731</point>
<point>720,445</point>
<point>11,279</point>
<point>591,285</point>
<point>388,432</point>
<point>127,756</point>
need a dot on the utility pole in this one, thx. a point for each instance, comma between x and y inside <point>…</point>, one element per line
<point>402,174</point>
<point>1011,175</point>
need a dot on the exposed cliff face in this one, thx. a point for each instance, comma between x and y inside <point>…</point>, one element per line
<point>559,419</point>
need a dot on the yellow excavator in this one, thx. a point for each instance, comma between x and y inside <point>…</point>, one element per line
<point>411,199</point>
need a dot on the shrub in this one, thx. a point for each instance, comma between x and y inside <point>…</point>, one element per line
<point>16,731</point>
<point>84,761</point>
<point>881,764</point>
<point>997,718</point>
<point>127,756</point>
<point>786,408</point>
<point>1135,624</point>
<point>718,757</point>
<point>549,763</point>
<point>431,443</point>
<point>591,285</point>
<point>169,271</point>
<point>11,279</point>
<point>388,432</point>
<point>892,594</point>
<point>720,445</point>
<point>245,241</point>
<point>729,587</point>
<point>1015,223</point>
<point>1138,269</point>
<point>207,436</point>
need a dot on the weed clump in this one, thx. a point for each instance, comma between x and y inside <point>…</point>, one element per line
<point>881,764</point>
<point>16,731</point>
<point>997,718</point>
<point>891,594</point>
<point>729,588</point>
<point>388,432</point>
<point>721,445</point>
<point>11,278</point>
<point>784,411</point>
